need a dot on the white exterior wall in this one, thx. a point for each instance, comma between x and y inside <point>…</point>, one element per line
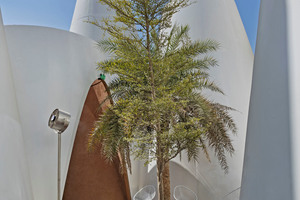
<point>84,10</point>
<point>272,163</point>
<point>14,173</point>
<point>219,20</point>
<point>293,25</point>
<point>52,69</point>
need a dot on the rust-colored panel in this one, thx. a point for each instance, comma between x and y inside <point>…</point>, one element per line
<point>90,177</point>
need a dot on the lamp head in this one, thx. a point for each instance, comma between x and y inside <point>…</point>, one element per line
<point>59,120</point>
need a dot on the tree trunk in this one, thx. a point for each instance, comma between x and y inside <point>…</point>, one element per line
<point>163,180</point>
<point>166,181</point>
<point>160,184</point>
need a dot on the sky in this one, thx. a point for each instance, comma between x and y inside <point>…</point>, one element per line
<point>58,14</point>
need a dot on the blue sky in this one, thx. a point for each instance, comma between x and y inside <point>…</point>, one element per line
<point>58,14</point>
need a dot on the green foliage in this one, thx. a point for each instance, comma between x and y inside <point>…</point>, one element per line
<point>159,109</point>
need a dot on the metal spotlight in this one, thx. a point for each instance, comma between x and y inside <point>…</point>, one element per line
<point>59,120</point>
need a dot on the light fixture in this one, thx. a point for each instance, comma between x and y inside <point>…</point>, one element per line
<point>59,121</point>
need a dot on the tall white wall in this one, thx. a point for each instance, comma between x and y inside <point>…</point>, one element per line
<point>52,69</point>
<point>14,174</point>
<point>272,163</point>
<point>219,20</point>
<point>293,7</point>
<point>84,10</point>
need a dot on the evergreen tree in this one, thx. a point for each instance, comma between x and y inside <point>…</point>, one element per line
<point>159,109</point>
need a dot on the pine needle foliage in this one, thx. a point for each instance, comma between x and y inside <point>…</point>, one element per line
<point>159,109</point>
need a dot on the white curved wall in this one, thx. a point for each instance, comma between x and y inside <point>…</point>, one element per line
<point>293,7</point>
<point>52,69</point>
<point>272,163</point>
<point>14,174</point>
<point>84,10</point>
<point>219,20</point>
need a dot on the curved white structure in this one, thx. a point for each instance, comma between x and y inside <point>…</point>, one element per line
<point>14,176</point>
<point>272,162</point>
<point>52,69</point>
<point>88,10</point>
<point>220,21</point>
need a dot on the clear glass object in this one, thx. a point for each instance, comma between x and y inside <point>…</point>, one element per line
<point>184,193</point>
<point>146,193</point>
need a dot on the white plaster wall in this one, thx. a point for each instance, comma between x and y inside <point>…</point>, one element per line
<point>84,10</point>
<point>140,176</point>
<point>14,174</point>
<point>271,166</point>
<point>52,69</point>
<point>293,25</point>
<point>219,20</point>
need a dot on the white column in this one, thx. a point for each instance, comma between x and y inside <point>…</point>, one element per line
<point>14,175</point>
<point>85,10</point>
<point>293,7</point>
<point>271,166</point>
<point>219,20</point>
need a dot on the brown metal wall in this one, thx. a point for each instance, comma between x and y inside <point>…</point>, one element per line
<point>89,176</point>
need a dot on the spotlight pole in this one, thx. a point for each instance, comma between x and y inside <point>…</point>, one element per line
<point>58,164</point>
<point>59,121</point>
